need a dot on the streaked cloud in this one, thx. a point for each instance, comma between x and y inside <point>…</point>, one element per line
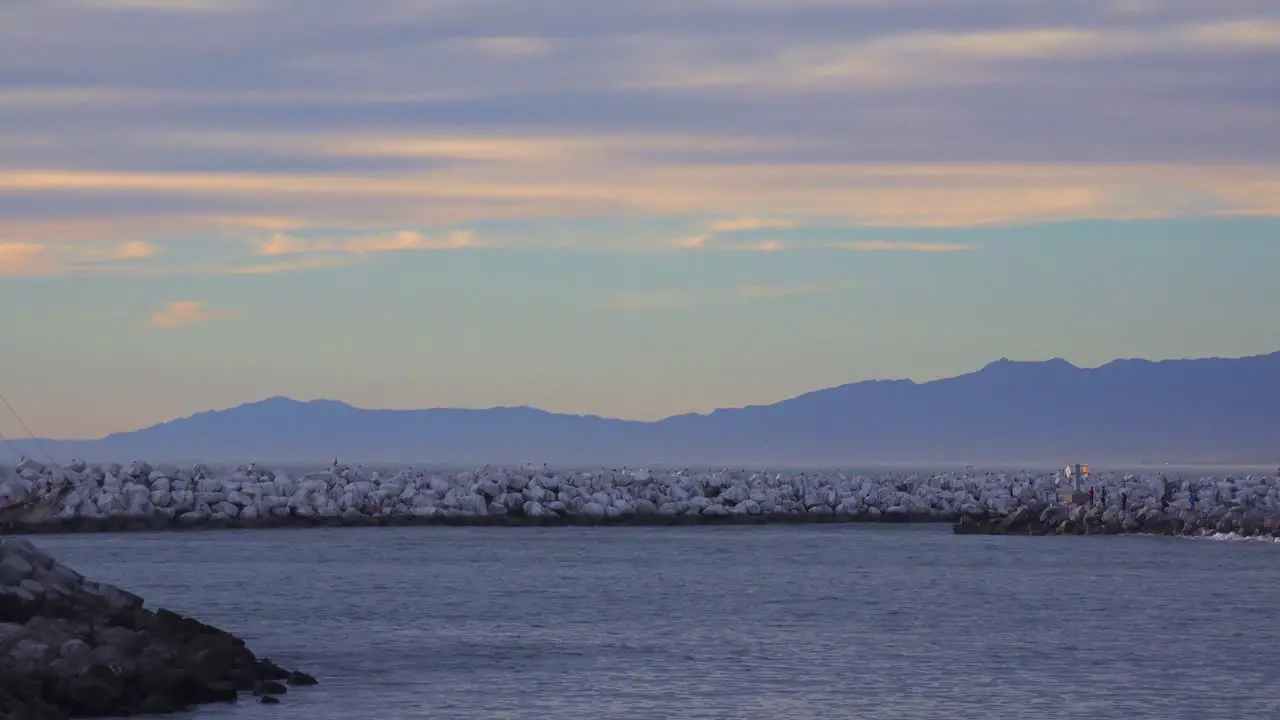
<point>133,250</point>
<point>751,223</point>
<point>31,258</point>
<point>692,242</point>
<point>902,195</point>
<point>281,244</point>
<point>751,118</point>
<point>757,246</point>
<point>931,59</point>
<point>24,258</point>
<point>710,240</point>
<point>180,313</point>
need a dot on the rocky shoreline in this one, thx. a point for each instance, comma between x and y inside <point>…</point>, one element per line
<point>74,648</point>
<point>1093,520</point>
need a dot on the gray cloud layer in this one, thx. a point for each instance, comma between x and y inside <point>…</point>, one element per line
<point>924,79</point>
<point>140,90</point>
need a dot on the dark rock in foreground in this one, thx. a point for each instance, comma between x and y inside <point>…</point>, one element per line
<point>74,648</point>
<point>1093,520</point>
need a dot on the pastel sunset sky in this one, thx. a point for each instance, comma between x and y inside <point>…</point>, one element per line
<point>631,208</point>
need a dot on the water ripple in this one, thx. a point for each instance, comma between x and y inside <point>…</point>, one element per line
<point>726,622</point>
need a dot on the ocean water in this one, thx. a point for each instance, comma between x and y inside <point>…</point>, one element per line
<point>851,621</point>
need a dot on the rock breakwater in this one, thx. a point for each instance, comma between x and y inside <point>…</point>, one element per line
<point>71,647</point>
<point>37,497</point>
<point>1245,521</point>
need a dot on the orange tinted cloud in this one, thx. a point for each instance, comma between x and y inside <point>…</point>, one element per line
<point>760,246</point>
<point>132,250</point>
<point>751,223</point>
<point>898,195</point>
<point>31,258</point>
<point>691,242</point>
<point>281,244</point>
<point>22,258</point>
<point>180,313</point>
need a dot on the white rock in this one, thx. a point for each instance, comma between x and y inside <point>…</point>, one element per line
<point>250,492</point>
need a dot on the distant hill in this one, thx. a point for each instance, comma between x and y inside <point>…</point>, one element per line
<point>1137,411</point>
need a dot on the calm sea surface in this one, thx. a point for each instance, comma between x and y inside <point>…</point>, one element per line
<point>728,622</point>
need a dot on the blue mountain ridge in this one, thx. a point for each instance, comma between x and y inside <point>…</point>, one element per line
<point>1201,410</point>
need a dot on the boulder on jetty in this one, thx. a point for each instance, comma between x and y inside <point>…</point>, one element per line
<point>82,496</point>
<point>85,497</point>
<point>71,647</point>
<point>1256,519</point>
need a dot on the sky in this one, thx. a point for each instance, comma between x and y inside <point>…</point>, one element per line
<point>629,208</point>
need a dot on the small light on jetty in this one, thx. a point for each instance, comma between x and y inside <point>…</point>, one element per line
<point>1077,474</point>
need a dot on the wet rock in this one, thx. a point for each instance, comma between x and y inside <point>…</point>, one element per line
<point>94,650</point>
<point>96,693</point>
<point>1093,520</point>
<point>159,704</point>
<point>1019,521</point>
<point>1132,524</point>
<point>269,687</point>
<point>1055,515</point>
